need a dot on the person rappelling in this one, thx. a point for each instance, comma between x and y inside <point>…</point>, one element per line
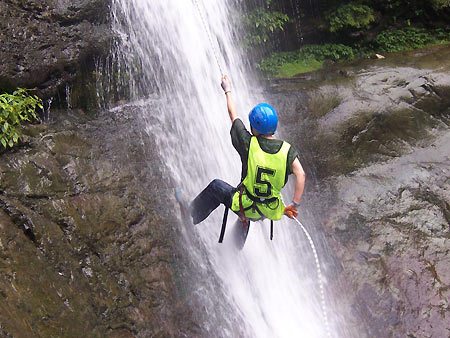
<point>266,164</point>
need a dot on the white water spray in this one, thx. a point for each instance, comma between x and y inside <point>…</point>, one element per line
<point>270,286</point>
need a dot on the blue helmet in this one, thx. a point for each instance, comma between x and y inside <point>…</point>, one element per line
<point>263,119</point>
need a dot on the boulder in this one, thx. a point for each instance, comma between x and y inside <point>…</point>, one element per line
<point>45,45</point>
<point>376,147</point>
<point>87,243</point>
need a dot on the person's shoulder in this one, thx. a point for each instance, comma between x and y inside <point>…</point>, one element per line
<point>270,140</point>
<point>237,123</point>
<point>292,148</point>
<point>239,127</point>
<point>293,152</point>
<point>284,141</point>
<point>274,141</point>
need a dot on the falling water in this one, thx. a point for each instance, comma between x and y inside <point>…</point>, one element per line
<point>297,20</point>
<point>47,110</point>
<point>270,286</point>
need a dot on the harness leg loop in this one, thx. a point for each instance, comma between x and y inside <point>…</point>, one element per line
<point>271,229</point>
<point>224,225</point>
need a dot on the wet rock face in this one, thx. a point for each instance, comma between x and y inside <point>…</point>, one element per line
<point>391,226</point>
<point>45,44</point>
<point>378,137</point>
<point>87,242</point>
<point>367,112</point>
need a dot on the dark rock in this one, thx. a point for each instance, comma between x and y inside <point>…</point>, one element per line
<point>21,220</point>
<point>104,257</point>
<point>44,45</point>
<point>379,112</point>
<point>377,148</point>
<point>72,12</point>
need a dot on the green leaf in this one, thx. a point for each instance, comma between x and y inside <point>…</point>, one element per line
<point>351,16</point>
<point>14,110</point>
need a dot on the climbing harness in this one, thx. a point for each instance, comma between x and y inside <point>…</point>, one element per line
<point>224,224</point>
<point>243,219</point>
<point>208,32</point>
<point>319,276</point>
<point>258,196</point>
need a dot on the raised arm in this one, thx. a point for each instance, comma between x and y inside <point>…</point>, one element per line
<point>226,86</point>
<point>291,210</point>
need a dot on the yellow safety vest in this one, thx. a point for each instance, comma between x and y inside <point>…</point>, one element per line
<point>261,188</point>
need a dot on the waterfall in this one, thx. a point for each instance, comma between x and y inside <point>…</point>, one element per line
<point>269,289</point>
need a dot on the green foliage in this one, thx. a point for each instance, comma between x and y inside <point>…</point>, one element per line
<point>308,58</point>
<point>409,38</point>
<point>15,109</point>
<point>350,16</point>
<point>421,11</point>
<point>334,52</point>
<point>298,67</point>
<point>262,25</point>
<point>359,23</point>
<point>440,4</point>
<point>441,36</point>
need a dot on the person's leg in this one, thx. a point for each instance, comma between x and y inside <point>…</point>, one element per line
<point>240,232</point>
<point>216,193</point>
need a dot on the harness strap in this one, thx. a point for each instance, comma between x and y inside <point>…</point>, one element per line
<point>242,210</point>
<point>271,229</point>
<point>258,199</point>
<point>254,206</point>
<point>224,224</point>
<point>241,214</point>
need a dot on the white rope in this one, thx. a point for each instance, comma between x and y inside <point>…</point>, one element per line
<point>208,32</point>
<point>319,276</point>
